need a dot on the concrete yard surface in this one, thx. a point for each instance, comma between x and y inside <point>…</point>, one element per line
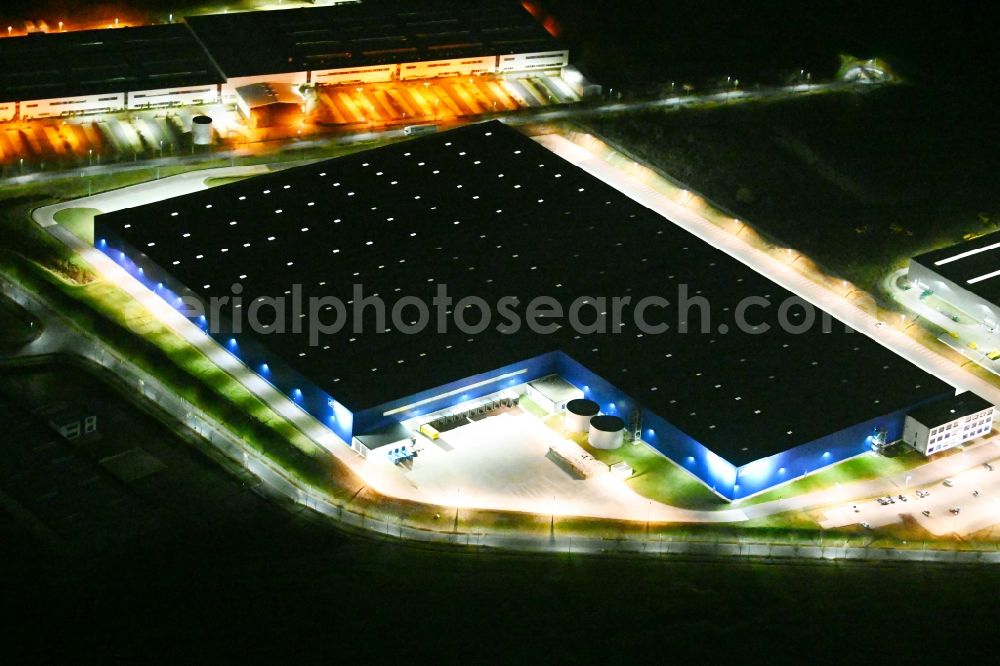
<point>503,462</point>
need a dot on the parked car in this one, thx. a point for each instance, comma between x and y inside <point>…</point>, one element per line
<point>949,483</point>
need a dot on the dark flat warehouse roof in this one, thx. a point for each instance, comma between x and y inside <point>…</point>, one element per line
<point>370,33</point>
<point>89,62</point>
<point>491,213</point>
<point>972,265</point>
<point>945,411</point>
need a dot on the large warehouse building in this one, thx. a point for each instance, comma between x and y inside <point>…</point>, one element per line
<point>967,275</point>
<point>90,71</point>
<point>377,41</point>
<point>209,57</point>
<point>491,213</point>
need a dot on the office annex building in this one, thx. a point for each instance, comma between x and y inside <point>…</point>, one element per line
<point>491,213</point>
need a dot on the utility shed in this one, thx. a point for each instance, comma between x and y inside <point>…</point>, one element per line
<point>552,393</point>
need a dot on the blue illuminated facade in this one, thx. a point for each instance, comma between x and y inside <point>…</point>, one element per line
<point>727,480</point>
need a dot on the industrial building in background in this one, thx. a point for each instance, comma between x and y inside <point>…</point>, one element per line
<point>966,275</point>
<point>492,214</point>
<point>376,42</point>
<point>94,71</point>
<point>213,58</point>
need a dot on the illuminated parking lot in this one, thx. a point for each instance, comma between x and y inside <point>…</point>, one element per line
<point>435,100</point>
<point>97,139</point>
<point>973,489</point>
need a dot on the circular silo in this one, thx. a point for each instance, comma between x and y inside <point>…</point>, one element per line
<point>606,432</point>
<point>578,414</point>
<point>201,130</point>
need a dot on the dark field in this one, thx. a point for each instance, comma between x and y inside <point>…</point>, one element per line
<point>640,46</point>
<point>246,580</point>
<point>859,182</point>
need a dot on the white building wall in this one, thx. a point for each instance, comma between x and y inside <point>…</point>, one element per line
<point>951,434</point>
<point>526,62</point>
<point>359,448</point>
<point>205,94</point>
<point>373,74</point>
<point>576,422</point>
<point>7,111</point>
<point>53,108</point>
<point>539,399</point>
<point>453,67</point>
<point>49,108</point>
<point>230,86</point>
<point>915,434</point>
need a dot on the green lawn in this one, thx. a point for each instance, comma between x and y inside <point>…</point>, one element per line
<point>17,327</point>
<point>657,477</point>
<point>532,407</point>
<point>118,306</point>
<point>864,467</point>
<point>654,475</point>
<point>79,221</point>
<point>223,180</point>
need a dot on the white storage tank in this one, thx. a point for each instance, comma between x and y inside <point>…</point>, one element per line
<point>578,414</point>
<point>201,130</point>
<point>606,432</point>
